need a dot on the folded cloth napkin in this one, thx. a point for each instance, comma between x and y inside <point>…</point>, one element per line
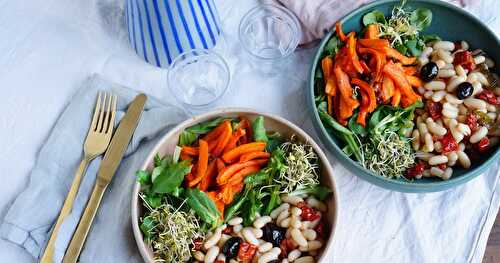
<point>29,220</point>
<point>318,16</point>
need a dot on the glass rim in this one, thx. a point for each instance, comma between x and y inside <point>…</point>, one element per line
<point>204,53</point>
<point>280,10</point>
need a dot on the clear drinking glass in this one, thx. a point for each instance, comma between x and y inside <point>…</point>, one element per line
<point>198,78</point>
<point>269,34</point>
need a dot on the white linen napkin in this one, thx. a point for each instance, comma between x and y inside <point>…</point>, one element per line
<point>31,216</point>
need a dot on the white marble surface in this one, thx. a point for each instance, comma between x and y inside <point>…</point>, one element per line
<point>50,46</point>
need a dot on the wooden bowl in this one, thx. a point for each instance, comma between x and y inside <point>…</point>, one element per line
<point>272,123</point>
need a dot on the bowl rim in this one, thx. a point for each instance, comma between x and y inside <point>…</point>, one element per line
<point>353,166</point>
<point>141,245</point>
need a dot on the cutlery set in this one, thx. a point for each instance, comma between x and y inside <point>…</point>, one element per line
<point>100,139</point>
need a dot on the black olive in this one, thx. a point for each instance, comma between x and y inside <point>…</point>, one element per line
<point>231,247</point>
<point>273,233</point>
<point>464,90</point>
<point>429,71</point>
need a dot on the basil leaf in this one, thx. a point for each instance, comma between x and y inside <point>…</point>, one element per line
<point>147,227</point>
<point>331,48</point>
<point>235,205</point>
<point>421,18</point>
<point>187,138</point>
<point>170,177</point>
<point>274,200</point>
<point>143,177</point>
<point>355,127</point>
<point>203,206</point>
<point>256,179</point>
<point>259,131</point>
<point>205,127</point>
<point>413,47</point>
<point>374,17</point>
<point>326,118</point>
<point>430,38</point>
<point>157,160</point>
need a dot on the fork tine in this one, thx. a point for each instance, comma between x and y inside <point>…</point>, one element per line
<point>113,114</point>
<point>96,111</point>
<point>107,116</point>
<point>101,113</point>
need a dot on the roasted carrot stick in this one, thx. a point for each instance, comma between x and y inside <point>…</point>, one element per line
<point>235,153</point>
<point>209,178</point>
<point>239,133</point>
<point>387,89</point>
<point>399,78</point>
<point>396,98</point>
<point>414,81</point>
<point>254,155</point>
<point>378,44</point>
<point>372,31</point>
<point>218,203</point>
<point>214,134</point>
<point>411,70</point>
<point>202,163</point>
<point>224,138</point>
<point>327,67</point>
<point>188,150</point>
<point>351,44</point>
<point>329,101</point>
<point>185,157</point>
<point>245,124</point>
<point>348,103</point>
<point>229,171</point>
<point>220,164</point>
<point>370,101</point>
<point>241,174</point>
<point>340,33</point>
<point>379,59</point>
<point>391,52</point>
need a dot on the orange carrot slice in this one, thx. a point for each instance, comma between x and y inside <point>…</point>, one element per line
<point>223,139</point>
<point>340,33</point>
<point>372,31</point>
<point>254,155</point>
<point>235,153</point>
<point>230,170</point>
<point>202,163</point>
<point>239,133</point>
<point>241,174</point>
<point>188,150</point>
<point>209,178</point>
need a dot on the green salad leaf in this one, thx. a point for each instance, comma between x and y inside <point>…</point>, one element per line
<point>170,177</point>
<point>259,131</point>
<point>191,134</point>
<point>143,177</point>
<point>430,38</point>
<point>203,206</point>
<point>147,226</point>
<point>320,192</point>
<point>355,127</point>
<point>374,17</point>
<point>331,48</point>
<point>421,18</point>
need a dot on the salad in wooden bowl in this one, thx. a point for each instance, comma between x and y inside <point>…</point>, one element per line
<point>234,186</point>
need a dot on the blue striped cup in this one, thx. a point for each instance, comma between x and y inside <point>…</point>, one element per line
<point>160,30</point>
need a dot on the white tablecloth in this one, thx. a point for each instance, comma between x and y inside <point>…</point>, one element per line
<point>50,46</point>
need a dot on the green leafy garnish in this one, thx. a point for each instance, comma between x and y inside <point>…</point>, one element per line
<point>374,17</point>
<point>259,131</point>
<point>320,192</point>
<point>203,206</point>
<point>170,177</point>
<point>191,134</point>
<point>331,48</point>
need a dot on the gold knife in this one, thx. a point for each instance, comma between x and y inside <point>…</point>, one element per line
<point>107,169</point>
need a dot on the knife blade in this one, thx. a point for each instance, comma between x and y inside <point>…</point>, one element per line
<point>107,169</point>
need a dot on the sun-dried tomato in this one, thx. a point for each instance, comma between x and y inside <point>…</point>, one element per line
<point>483,144</point>
<point>197,243</point>
<point>228,230</point>
<point>434,109</point>
<point>471,121</point>
<point>448,143</point>
<point>442,166</point>
<point>488,96</point>
<point>465,59</point>
<point>246,251</point>
<point>308,213</point>
<point>320,229</point>
<point>416,170</point>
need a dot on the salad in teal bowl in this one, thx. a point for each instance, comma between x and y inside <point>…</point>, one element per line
<point>406,95</point>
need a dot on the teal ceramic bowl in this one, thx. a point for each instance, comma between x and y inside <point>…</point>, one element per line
<point>450,23</point>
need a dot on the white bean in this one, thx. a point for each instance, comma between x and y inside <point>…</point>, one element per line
<point>444,55</point>
<point>314,245</point>
<point>424,155</point>
<point>449,113</point>
<point>461,146</point>
<point>446,73</point>
<point>497,91</point>
<point>223,240</point>
<point>198,255</point>
<point>427,51</point>
<point>261,221</point>
<point>211,254</point>
<point>264,247</point>
<point>440,63</point>
<point>213,239</point>
<point>479,59</point>
<point>295,222</point>
<point>285,261</point>
<point>249,236</point>
<point>435,128</point>
<point>464,129</point>
<point>438,95</point>
<point>489,62</point>
<point>314,223</point>
<point>492,115</point>
<point>471,78</point>
<point>464,44</point>
<point>298,237</point>
<point>306,259</point>
<point>421,90</point>
<point>415,142</point>
<point>423,60</point>
<point>454,82</point>
<point>285,222</point>
<point>428,94</point>
<point>257,232</point>
<point>460,71</point>
<point>477,88</point>
<point>422,128</point>
<point>463,159</point>
<point>279,209</point>
<point>435,85</point>
<point>436,172</point>
<point>475,103</point>
<point>293,200</point>
<point>452,158</point>
<point>438,159</point>
<point>482,78</point>
<point>315,203</point>
<point>453,99</point>
<point>491,107</point>
<point>438,147</point>
<point>445,45</point>
<point>457,135</point>
<point>478,134</point>
<point>237,228</point>
<point>296,211</point>
<point>293,255</point>
<point>221,257</point>
<point>309,234</point>
<point>235,221</point>
<point>270,255</point>
<point>283,215</point>
<point>462,110</point>
<point>429,144</point>
<point>447,173</point>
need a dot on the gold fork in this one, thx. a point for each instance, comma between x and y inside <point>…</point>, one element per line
<point>96,143</point>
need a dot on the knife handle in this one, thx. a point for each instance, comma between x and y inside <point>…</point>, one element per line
<point>48,254</point>
<point>78,240</point>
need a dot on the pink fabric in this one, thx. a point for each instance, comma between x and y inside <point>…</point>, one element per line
<point>318,16</point>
